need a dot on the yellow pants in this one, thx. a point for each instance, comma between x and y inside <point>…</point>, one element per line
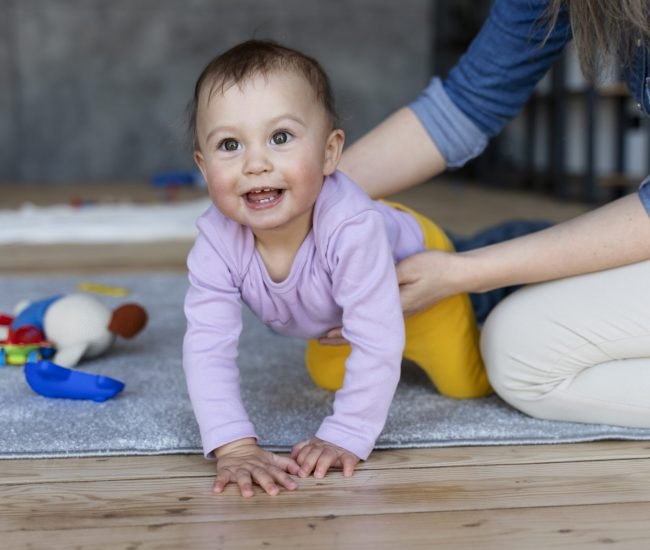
<point>443,340</point>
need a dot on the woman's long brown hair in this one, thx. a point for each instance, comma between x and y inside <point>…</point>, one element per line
<point>605,32</point>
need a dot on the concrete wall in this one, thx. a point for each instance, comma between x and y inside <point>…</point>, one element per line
<point>7,98</point>
<point>95,90</point>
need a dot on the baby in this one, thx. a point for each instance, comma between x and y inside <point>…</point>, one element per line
<point>307,250</point>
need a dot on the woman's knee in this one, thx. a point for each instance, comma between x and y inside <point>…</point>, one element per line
<point>512,350</point>
<point>495,341</point>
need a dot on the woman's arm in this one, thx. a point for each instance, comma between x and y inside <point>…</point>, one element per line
<point>451,121</point>
<point>393,156</point>
<point>614,235</point>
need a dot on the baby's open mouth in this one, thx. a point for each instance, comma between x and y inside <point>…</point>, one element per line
<point>263,196</point>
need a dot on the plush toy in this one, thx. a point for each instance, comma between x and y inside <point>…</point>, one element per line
<point>78,325</point>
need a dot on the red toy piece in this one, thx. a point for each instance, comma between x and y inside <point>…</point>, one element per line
<point>25,343</point>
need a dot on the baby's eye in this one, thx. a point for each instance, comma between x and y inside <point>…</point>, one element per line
<point>229,145</point>
<point>280,138</point>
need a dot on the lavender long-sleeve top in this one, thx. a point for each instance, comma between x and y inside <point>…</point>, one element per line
<point>343,274</point>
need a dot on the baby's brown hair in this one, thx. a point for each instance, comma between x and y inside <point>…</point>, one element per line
<point>260,57</point>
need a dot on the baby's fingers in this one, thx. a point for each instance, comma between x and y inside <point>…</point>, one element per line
<point>349,463</point>
<point>220,483</point>
<point>315,459</point>
<point>288,464</point>
<point>245,483</point>
<point>295,450</point>
<point>265,480</point>
<point>242,478</point>
<point>268,479</point>
<point>325,461</point>
<point>307,458</point>
<point>284,479</point>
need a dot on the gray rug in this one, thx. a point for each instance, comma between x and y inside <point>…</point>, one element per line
<point>153,414</point>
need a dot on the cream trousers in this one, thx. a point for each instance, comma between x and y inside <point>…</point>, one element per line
<point>576,349</point>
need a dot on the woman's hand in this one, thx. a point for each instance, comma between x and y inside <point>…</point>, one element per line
<point>244,463</point>
<point>427,278</point>
<point>424,279</point>
<point>318,456</point>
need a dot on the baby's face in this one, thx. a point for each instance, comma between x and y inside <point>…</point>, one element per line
<point>265,147</point>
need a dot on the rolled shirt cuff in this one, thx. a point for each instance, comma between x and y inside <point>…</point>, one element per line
<point>455,135</point>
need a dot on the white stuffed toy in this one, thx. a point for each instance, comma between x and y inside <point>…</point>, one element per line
<point>79,325</point>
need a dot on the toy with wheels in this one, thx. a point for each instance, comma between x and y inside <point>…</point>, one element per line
<point>19,354</point>
<point>26,343</point>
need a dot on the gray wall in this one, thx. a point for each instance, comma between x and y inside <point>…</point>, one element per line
<point>95,90</point>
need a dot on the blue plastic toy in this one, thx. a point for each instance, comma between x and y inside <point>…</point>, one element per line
<point>178,178</point>
<point>51,380</point>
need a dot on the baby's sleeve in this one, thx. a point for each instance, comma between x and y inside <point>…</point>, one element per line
<point>214,323</point>
<point>365,286</point>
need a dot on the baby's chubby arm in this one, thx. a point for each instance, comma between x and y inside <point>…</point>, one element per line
<point>209,352</point>
<point>365,287</point>
<point>210,346</point>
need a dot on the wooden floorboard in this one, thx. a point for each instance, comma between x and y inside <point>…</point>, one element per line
<point>572,496</point>
<point>118,503</point>
<point>620,526</point>
<point>61,470</point>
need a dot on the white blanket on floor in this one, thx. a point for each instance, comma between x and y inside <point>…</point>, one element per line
<point>101,223</point>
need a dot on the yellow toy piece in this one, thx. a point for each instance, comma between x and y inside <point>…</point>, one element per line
<point>19,354</point>
<point>107,290</point>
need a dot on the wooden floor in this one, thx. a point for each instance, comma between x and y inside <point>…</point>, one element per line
<point>522,497</point>
<point>565,496</point>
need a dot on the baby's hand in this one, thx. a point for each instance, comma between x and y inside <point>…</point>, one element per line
<point>334,337</point>
<point>244,463</point>
<point>318,456</point>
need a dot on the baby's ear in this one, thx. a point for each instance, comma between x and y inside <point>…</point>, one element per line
<point>333,150</point>
<point>200,162</point>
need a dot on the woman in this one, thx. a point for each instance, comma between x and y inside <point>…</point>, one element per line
<point>576,347</point>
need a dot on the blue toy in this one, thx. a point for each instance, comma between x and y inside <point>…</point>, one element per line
<point>178,178</point>
<point>51,380</point>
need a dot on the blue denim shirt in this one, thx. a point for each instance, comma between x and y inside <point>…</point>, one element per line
<point>496,76</point>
